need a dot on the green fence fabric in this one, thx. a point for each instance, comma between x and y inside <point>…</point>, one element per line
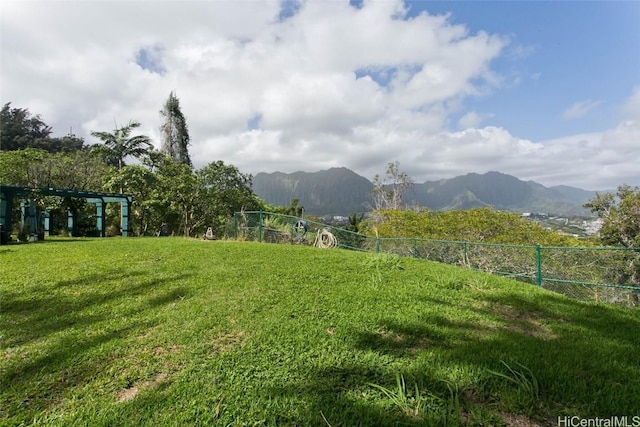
<point>602,274</point>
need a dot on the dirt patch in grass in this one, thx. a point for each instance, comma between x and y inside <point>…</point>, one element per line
<point>409,342</point>
<point>133,391</point>
<point>526,322</point>
<point>160,351</point>
<point>517,420</point>
<point>226,341</point>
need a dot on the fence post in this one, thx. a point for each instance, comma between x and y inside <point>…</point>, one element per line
<point>260,227</point>
<point>465,258</point>
<point>235,225</point>
<point>415,248</point>
<point>377,245</point>
<point>538,265</point>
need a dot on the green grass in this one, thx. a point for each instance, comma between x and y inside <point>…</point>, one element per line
<point>169,331</point>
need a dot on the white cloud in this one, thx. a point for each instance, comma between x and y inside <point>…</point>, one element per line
<point>333,85</point>
<point>631,108</point>
<point>579,109</point>
<point>472,119</point>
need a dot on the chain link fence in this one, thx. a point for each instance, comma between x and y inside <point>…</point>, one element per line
<point>602,274</point>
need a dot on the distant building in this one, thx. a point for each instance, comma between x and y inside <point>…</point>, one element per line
<point>593,226</point>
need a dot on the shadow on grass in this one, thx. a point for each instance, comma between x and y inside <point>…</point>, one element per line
<point>53,241</point>
<point>333,399</point>
<point>65,240</point>
<point>584,358</point>
<point>50,334</point>
<point>46,311</point>
<point>169,296</point>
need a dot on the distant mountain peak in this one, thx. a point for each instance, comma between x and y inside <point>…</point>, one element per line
<point>341,191</point>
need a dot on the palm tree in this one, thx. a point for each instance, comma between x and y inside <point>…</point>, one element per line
<point>120,145</point>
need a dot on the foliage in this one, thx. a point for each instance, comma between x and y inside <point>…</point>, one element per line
<point>174,197</point>
<point>175,133</point>
<point>175,331</point>
<point>476,225</point>
<point>20,167</point>
<point>20,130</point>
<point>294,208</point>
<point>388,191</point>
<point>621,227</point>
<point>621,215</point>
<point>355,222</point>
<point>119,144</point>
<point>527,394</point>
<point>167,193</point>
<point>411,403</point>
<point>65,144</point>
<point>225,190</point>
<point>79,170</point>
<point>142,184</point>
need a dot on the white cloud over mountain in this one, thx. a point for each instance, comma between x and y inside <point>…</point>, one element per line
<point>329,85</point>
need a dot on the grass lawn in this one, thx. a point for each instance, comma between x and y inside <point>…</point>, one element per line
<point>171,331</point>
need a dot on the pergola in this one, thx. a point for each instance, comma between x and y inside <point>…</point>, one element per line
<point>32,215</point>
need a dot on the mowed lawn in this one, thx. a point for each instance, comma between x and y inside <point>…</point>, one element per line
<point>173,331</point>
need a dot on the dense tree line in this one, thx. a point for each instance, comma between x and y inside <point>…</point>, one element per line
<point>169,195</point>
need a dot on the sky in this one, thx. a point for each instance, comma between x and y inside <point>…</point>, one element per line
<point>544,91</point>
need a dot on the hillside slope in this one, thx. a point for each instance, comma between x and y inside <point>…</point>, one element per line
<point>130,332</point>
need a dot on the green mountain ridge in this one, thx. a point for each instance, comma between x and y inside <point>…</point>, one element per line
<point>340,191</point>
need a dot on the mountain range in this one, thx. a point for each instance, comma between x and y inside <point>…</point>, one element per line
<point>340,191</point>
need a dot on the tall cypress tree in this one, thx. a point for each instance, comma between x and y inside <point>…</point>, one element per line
<point>175,134</point>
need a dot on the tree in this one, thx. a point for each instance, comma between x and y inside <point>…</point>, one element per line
<point>142,185</point>
<point>175,135</point>
<point>620,214</point>
<point>189,202</point>
<point>119,144</point>
<point>294,208</point>
<point>19,129</point>
<point>153,159</point>
<point>80,170</point>
<point>621,227</point>
<point>178,195</point>
<point>65,144</point>
<point>22,167</point>
<point>355,222</point>
<point>389,191</point>
<point>225,190</point>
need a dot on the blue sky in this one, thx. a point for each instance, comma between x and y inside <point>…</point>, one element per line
<point>562,53</point>
<point>544,91</point>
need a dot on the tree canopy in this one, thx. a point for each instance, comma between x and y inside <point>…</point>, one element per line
<point>620,213</point>
<point>167,192</point>
<point>119,145</point>
<point>175,133</point>
<point>19,129</point>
